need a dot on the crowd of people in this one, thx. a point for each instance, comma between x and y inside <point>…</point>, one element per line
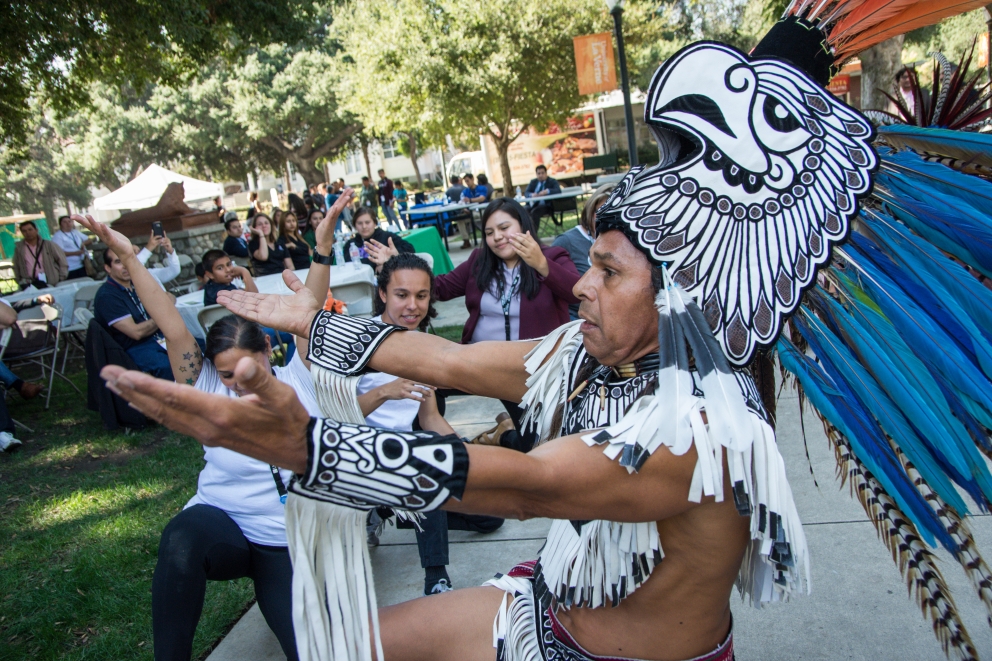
<point>515,288</point>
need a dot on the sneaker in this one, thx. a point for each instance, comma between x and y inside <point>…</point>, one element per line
<point>443,585</point>
<point>7,442</point>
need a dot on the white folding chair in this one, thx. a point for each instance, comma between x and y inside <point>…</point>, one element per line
<point>53,315</point>
<point>209,315</point>
<point>357,296</point>
<point>73,281</point>
<point>75,332</point>
<point>427,257</point>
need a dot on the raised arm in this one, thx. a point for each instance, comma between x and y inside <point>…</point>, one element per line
<point>564,479</point>
<point>184,352</point>
<point>319,275</point>
<point>490,369</point>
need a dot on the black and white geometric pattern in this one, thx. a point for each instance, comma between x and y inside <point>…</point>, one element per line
<point>764,170</point>
<point>360,467</point>
<point>344,345</point>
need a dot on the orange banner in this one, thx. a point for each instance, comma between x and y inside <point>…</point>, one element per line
<point>594,63</point>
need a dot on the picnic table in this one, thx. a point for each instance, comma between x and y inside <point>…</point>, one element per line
<point>436,211</point>
<point>425,239</point>
<point>64,296</point>
<point>189,305</point>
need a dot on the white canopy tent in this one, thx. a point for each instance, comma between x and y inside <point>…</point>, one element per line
<point>146,189</point>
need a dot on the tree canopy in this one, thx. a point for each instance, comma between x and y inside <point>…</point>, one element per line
<point>55,49</point>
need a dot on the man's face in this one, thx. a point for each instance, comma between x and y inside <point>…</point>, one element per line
<point>619,320</point>
<point>117,271</point>
<point>382,174</point>
<point>30,233</point>
<point>65,225</point>
<point>234,229</point>
<point>906,81</point>
<point>542,174</point>
<point>222,272</point>
<point>469,181</point>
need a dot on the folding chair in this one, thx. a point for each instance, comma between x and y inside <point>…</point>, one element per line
<point>53,315</point>
<point>357,296</point>
<point>82,312</point>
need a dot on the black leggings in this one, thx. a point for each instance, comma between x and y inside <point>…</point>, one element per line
<point>203,543</point>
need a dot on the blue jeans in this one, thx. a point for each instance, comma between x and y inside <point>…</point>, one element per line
<point>152,359</point>
<point>7,377</point>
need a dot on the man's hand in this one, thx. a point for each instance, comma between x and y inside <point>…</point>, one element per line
<point>153,242</point>
<point>292,314</point>
<point>324,234</point>
<point>167,243</point>
<point>380,254</point>
<point>113,239</point>
<point>270,424</point>
<point>529,250</point>
<point>47,299</point>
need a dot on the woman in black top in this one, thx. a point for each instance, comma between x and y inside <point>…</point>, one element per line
<point>295,246</point>
<point>368,229</point>
<point>267,257</point>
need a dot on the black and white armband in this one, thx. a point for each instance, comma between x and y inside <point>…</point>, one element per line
<point>344,345</point>
<point>358,466</point>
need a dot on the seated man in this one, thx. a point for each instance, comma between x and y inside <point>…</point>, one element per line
<point>118,309</point>
<point>541,186</point>
<point>219,274</point>
<point>235,243</point>
<point>36,261</point>
<point>18,343</point>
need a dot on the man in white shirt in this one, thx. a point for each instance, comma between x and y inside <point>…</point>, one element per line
<point>74,244</point>
<point>170,270</point>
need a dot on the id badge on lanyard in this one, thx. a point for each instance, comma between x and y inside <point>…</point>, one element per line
<point>505,300</point>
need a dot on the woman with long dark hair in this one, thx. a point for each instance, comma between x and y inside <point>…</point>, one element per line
<point>405,298</point>
<point>375,245</point>
<point>297,249</point>
<point>514,289</point>
<point>267,256</point>
<point>234,526</point>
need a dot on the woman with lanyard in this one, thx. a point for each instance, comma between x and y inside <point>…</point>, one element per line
<point>514,289</point>
<point>234,525</point>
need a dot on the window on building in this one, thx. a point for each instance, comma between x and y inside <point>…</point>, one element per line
<point>353,162</point>
<point>389,148</point>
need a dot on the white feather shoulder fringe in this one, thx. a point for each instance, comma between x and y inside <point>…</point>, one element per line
<point>514,628</point>
<point>334,607</point>
<point>335,616</point>
<point>548,381</point>
<point>777,561</point>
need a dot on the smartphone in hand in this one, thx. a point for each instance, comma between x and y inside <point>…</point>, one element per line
<point>157,229</point>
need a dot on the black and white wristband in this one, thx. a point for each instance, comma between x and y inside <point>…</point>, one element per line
<point>344,345</point>
<point>361,467</point>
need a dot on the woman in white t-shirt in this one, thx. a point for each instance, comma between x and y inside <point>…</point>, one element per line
<point>405,297</point>
<point>234,526</point>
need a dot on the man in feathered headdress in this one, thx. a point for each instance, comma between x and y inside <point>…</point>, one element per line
<point>658,461</point>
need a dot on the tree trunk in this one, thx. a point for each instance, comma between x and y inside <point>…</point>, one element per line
<point>288,177</point>
<point>879,65</point>
<point>503,149</point>
<point>412,142</point>
<point>48,207</point>
<point>308,170</point>
<point>365,155</point>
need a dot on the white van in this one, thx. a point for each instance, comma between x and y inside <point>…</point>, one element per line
<point>463,163</point>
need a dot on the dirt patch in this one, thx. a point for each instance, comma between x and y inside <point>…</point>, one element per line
<point>91,462</point>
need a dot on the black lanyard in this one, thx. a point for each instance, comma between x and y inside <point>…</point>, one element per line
<point>505,298</point>
<point>37,257</point>
<point>280,487</point>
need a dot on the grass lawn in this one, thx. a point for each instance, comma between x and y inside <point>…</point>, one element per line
<point>81,511</point>
<point>453,333</point>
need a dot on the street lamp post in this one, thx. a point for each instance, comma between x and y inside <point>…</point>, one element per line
<point>616,8</point>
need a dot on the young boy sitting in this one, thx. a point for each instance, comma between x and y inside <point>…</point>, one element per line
<point>221,272</point>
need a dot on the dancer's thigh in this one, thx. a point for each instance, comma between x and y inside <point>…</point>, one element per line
<point>454,626</point>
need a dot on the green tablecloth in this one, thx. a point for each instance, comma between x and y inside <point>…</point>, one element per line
<point>426,239</point>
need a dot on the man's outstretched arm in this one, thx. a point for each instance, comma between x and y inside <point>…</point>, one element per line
<point>564,479</point>
<point>490,369</point>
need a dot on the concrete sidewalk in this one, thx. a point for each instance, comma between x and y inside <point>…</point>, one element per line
<point>858,609</point>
